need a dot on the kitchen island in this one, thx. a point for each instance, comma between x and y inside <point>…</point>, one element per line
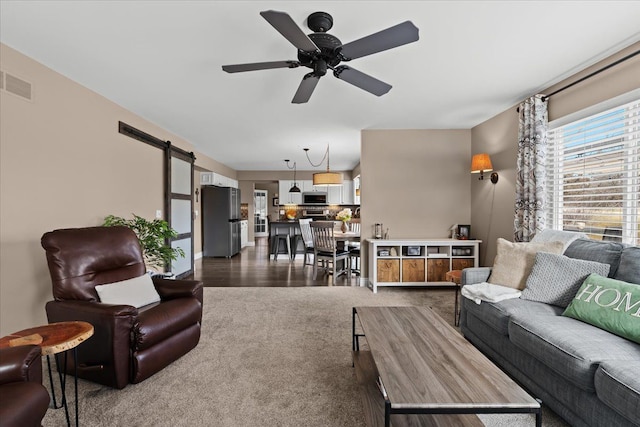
<point>286,227</point>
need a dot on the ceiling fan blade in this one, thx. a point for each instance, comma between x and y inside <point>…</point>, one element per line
<point>307,85</point>
<point>395,36</point>
<point>290,30</point>
<point>238,68</point>
<point>362,80</point>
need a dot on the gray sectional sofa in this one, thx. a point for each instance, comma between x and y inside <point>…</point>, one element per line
<point>588,376</point>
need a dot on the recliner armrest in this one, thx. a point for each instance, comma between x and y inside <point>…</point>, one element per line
<point>20,364</point>
<point>111,342</point>
<point>88,311</point>
<point>475,275</point>
<point>171,289</point>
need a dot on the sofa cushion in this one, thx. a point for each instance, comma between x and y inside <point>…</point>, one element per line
<point>595,250</point>
<point>549,235</point>
<point>609,304</point>
<point>555,279</point>
<point>618,385</point>
<point>497,315</point>
<point>629,269</point>
<point>571,348</point>
<point>514,261</point>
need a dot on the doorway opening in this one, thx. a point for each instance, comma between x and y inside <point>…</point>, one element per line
<point>260,212</point>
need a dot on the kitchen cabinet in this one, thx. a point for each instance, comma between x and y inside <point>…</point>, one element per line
<point>334,194</point>
<point>212,178</point>
<point>296,198</point>
<point>338,194</point>
<point>285,196</point>
<point>418,262</point>
<point>347,192</point>
<point>244,233</point>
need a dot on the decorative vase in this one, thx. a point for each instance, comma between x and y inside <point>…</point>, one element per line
<point>344,227</point>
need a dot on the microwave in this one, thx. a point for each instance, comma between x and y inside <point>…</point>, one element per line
<point>314,198</point>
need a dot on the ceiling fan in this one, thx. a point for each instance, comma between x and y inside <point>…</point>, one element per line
<point>321,51</point>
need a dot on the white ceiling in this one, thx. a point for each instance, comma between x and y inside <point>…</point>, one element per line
<point>162,60</point>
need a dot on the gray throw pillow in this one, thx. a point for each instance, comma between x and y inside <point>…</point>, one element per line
<point>555,279</point>
<point>629,269</point>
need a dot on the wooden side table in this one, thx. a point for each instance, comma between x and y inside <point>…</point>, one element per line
<point>53,339</point>
<point>455,276</point>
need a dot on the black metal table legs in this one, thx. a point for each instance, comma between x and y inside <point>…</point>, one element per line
<point>62,376</point>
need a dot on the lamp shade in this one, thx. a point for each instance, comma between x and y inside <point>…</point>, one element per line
<point>481,163</point>
<point>295,188</point>
<point>327,178</point>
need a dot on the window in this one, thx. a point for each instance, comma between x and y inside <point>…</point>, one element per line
<point>593,172</point>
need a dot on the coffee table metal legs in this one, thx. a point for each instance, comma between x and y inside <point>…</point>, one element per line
<point>62,375</point>
<point>387,413</point>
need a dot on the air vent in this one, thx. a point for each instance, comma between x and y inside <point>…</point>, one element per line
<point>17,86</point>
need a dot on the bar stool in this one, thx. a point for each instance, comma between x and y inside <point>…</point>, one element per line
<point>275,245</point>
<point>454,276</point>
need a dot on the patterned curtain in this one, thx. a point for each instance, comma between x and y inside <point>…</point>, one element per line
<point>530,177</point>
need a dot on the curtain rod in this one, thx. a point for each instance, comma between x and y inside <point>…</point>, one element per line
<point>613,64</point>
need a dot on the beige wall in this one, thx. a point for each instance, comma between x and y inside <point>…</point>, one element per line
<point>415,182</point>
<point>492,206</point>
<point>64,164</point>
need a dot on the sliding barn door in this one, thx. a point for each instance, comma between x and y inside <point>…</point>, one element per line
<point>180,207</point>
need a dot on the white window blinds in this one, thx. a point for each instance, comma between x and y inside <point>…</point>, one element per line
<point>593,175</point>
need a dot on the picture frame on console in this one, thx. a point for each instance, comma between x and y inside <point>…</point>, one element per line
<point>464,232</point>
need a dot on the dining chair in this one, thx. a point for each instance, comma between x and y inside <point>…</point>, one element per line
<point>354,249</point>
<point>307,237</point>
<point>326,250</point>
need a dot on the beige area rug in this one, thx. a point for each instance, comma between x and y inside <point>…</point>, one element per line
<point>267,357</point>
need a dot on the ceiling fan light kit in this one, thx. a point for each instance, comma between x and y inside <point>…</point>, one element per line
<point>321,51</point>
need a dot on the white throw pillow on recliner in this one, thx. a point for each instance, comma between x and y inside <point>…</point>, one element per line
<point>137,292</point>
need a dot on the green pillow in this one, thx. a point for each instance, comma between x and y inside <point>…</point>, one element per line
<point>609,304</point>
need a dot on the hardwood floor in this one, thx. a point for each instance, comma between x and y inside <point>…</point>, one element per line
<point>253,268</point>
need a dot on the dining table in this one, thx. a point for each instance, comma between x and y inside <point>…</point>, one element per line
<point>346,236</point>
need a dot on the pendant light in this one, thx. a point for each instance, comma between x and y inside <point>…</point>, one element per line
<point>295,188</point>
<point>324,178</point>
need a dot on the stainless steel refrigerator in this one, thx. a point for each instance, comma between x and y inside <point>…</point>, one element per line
<point>220,221</point>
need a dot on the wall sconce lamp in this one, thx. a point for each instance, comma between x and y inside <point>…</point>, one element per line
<point>481,163</point>
<point>295,188</point>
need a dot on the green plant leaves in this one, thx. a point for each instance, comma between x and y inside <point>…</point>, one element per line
<point>153,236</point>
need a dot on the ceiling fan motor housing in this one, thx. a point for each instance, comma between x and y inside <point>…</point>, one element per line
<point>329,51</point>
<point>329,45</point>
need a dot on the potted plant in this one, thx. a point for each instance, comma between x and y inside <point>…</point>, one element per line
<point>153,236</point>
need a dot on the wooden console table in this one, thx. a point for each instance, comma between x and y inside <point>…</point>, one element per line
<point>419,262</point>
<point>419,366</point>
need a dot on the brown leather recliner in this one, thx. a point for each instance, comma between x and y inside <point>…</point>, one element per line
<point>23,399</point>
<point>129,344</point>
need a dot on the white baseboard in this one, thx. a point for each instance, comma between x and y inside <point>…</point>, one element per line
<point>197,256</point>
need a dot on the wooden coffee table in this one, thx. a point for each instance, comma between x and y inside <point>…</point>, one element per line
<point>426,367</point>
<point>54,339</point>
